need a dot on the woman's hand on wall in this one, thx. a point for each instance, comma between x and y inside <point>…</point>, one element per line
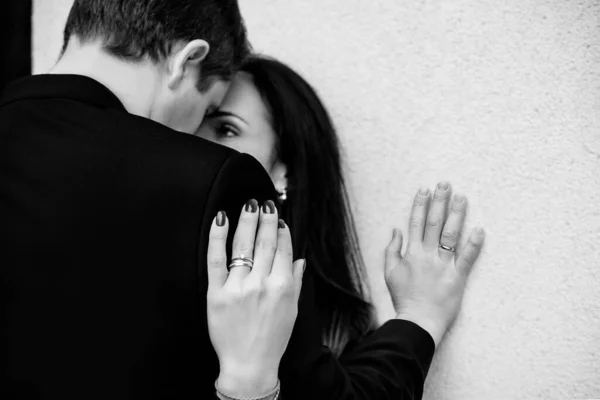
<point>427,282</point>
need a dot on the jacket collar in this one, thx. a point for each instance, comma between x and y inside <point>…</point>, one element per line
<point>76,87</point>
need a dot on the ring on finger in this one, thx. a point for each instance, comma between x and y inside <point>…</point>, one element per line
<point>241,261</point>
<point>447,248</point>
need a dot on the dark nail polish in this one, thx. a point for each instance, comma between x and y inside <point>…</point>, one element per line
<point>251,206</point>
<point>281,224</point>
<point>221,218</point>
<point>268,207</point>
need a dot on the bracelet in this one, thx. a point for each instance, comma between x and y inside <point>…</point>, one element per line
<point>274,392</point>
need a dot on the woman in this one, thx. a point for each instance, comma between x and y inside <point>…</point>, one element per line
<point>274,115</point>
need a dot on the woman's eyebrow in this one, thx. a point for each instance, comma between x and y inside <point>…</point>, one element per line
<point>220,113</point>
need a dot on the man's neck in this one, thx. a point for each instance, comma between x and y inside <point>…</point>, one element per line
<point>134,84</point>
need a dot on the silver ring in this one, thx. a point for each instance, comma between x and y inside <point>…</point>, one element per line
<point>447,248</point>
<point>241,261</point>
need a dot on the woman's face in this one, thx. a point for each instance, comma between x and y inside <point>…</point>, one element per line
<point>243,123</point>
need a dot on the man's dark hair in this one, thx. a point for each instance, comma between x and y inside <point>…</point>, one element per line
<point>134,29</point>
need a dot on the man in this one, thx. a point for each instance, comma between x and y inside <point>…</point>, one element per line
<point>104,197</point>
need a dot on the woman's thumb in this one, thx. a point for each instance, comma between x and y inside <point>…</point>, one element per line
<point>393,251</point>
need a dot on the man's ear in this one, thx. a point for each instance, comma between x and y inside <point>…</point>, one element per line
<point>187,60</point>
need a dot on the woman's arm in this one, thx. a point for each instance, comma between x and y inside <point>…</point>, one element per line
<point>391,363</point>
<point>427,284</point>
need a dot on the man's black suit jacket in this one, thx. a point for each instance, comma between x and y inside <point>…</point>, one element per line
<point>104,218</point>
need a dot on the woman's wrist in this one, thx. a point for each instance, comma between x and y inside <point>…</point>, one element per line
<point>243,383</point>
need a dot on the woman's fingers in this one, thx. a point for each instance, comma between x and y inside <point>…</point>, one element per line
<point>243,241</point>
<point>282,262</point>
<point>453,227</point>
<point>260,236</point>
<point>436,216</point>
<point>467,257</point>
<point>265,245</point>
<point>416,225</point>
<point>217,255</point>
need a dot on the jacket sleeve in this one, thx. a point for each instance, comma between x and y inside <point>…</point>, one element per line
<point>240,179</point>
<point>391,363</point>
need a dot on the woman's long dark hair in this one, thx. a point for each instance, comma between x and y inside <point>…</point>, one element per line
<point>317,207</point>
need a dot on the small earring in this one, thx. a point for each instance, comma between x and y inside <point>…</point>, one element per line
<point>282,195</point>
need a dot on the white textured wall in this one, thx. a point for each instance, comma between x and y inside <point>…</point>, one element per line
<point>502,98</point>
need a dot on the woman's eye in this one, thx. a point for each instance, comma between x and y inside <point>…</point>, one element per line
<point>226,130</point>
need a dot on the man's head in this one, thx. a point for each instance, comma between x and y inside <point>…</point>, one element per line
<point>192,47</point>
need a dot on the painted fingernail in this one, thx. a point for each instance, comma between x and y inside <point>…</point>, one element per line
<point>459,198</point>
<point>443,185</point>
<point>424,191</point>
<point>221,215</point>
<point>268,207</point>
<point>281,224</point>
<point>251,206</point>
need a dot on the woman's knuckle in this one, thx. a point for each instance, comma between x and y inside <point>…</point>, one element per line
<point>469,258</point>
<point>392,251</point>
<point>420,201</point>
<point>218,300</point>
<point>218,235</point>
<point>269,220</point>
<point>283,250</point>
<point>475,243</point>
<point>439,196</point>
<point>217,260</point>
<point>416,221</point>
<point>282,286</point>
<point>244,247</point>
<point>253,288</point>
<point>434,222</point>
<point>472,250</point>
<point>450,235</point>
<point>212,298</point>
<point>457,208</point>
<point>237,296</point>
<point>265,244</point>
<point>248,218</point>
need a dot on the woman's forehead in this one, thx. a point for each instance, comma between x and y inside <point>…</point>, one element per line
<point>244,100</point>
